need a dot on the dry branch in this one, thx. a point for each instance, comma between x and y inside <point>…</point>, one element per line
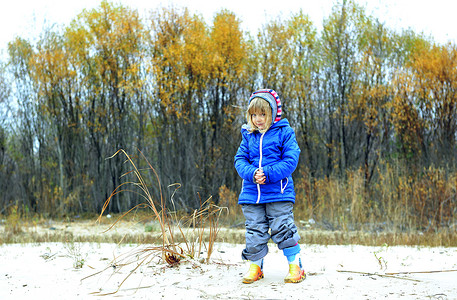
<point>420,272</point>
<point>377,274</point>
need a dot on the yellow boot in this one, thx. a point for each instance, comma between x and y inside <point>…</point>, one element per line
<point>296,274</point>
<point>255,273</point>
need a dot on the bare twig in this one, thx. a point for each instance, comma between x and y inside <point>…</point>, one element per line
<point>376,274</point>
<point>421,272</point>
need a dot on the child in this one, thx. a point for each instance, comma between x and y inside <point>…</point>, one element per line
<point>265,160</point>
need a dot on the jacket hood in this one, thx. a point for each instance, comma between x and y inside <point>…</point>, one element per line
<point>273,99</point>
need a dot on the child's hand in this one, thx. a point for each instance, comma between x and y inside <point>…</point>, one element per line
<point>259,177</point>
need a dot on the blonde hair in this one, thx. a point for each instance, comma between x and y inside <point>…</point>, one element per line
<point>259,106</point>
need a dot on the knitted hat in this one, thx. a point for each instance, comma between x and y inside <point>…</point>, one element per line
<point>273,99</point>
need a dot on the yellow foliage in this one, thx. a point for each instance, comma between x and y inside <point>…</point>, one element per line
<point>13,221</point>
<point>426,98</point>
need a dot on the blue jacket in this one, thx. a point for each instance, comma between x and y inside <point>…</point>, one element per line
<point>277,152</point>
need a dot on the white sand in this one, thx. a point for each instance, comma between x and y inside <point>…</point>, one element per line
<point>46,271</point>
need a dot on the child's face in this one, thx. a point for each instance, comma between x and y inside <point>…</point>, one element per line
<point>259,120</point>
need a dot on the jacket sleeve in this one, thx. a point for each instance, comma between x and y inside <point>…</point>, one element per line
<point>242,163</point>
<point>287,165</point>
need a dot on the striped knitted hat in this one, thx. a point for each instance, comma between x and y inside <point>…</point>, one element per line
<point>273,99</point>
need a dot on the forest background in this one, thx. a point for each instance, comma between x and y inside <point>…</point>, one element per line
<point>374,112</point>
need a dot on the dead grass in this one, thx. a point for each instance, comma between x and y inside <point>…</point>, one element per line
<point>128,232</point>
<point>199,229</point>
<point>175,242</point>
<point>400,201</point>
<point>397,210</point>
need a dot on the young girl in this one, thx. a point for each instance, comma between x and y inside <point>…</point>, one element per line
<point>265,160</point>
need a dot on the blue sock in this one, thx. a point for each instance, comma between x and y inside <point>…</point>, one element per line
<point>294,259</point>
<point>258,262</point>
<point>293,254</point>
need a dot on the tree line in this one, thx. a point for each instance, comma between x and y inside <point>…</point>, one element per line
<point>361,97</point>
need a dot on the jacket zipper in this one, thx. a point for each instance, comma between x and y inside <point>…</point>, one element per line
<point>260,166</point>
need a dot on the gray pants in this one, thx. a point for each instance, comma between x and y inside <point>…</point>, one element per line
<point>260,219</point>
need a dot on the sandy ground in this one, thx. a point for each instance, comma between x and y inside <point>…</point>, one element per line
<point>46,271</point>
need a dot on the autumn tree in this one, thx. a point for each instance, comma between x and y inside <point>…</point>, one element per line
<point>178,80</point>
<point>6,164</point>
<point>22,139</point>
<point>105,48</point>
<point>228,91</point>
<point>434,89</point>
<point>406,116</point>
<point>370,102</point>
<point>303,97</point>
<point>340,54</point>
<point>274,57</point>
